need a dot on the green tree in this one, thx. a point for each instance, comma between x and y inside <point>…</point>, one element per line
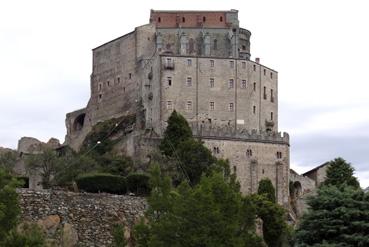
<point>212,213</point>
<point>118,236</point>
<point>45,163</point>
<point>339,172</point>
<point>273,216</point>
<point>266,188</point>
<point>8,160</point>
<point>27,235</point>
<point>194,159</point>
<point>9,209</point>
<point>337,216</point>
<point>177,131</point>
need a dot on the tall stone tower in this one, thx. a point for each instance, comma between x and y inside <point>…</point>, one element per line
<point>198,63</point>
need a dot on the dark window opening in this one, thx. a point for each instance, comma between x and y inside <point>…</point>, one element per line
<point>130,75</point>
<point>271,95</point>
<point>124,89</point>
<point>234,169</point>
<point>100,96</point>
<point>183,19</point>
<point>262,171</point>
<point>203,18</point>
<point>265,94</point>
<point>254,67</point>
<point>243,47</point>
<point>215,44</point>
<point>254,86</point>
<point>264,71</point>
<point>108,82</point>
<point>118,80</point>
<point>271,116</point>
<point>248,153</point>
<point>221,19</point>
<point>79,122</point>
<point>254,109</point>
<point>159,19</point>
<point>271,75</point>
<point>169,81</point>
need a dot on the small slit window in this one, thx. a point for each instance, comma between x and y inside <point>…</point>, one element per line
<point>159,19</point>
<point>271,116</point>
<point>169,80</point>
<point>254,86</point>
<point>221,19</point>
<point>248,153</point>
<point>254,109</point>
<point>254,67</point>
<point>183,19</point>
<point>203,18</point>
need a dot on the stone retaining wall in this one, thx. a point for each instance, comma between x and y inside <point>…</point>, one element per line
<point>90,216</point>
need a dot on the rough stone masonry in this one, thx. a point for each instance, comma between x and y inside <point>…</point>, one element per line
<point>87,219</point>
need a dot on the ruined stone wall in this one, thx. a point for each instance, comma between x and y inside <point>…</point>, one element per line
<point>91,216</point>
<point>221,92</point>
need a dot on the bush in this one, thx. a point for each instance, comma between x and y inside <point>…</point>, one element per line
<point>138,184</point>
<point>102,182</point>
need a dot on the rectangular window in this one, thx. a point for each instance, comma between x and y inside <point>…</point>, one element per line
<point>169,80</point>
<point>211,82</point>
<point>169,105</point>
<point>211,63</point>
<point>189,82</point>
<point>231,64</point>
<point>243,84</point>
<point>271,75</point>
<point>271,116</point>
<point>108,83</point>
<point>230,107</point>
<point>254,109</point>
<point>189,106</point>
<point>231,83</point>
<point>212,106</point>
<point>264,71</point>
<point>244,65</point>
<point>118,80</point>
<point>254,86</point>
<point>265,94</point>
<point>130,75</point>
<point>254,67</point>
<point>189,62</point>
<point>271,95</point>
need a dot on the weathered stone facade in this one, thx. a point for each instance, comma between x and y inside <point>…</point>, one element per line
<point>197,63</point>
<point>85,218</point>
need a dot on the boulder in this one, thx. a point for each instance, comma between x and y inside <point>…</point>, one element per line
<point>69,237</point>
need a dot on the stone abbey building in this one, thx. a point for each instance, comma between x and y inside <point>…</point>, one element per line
<point>197,63</point>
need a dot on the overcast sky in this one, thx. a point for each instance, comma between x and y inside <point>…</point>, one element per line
<point>320,49</point>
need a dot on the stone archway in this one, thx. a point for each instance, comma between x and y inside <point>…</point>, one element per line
<point>79,122</point>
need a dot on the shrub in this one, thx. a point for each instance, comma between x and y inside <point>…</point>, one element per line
<point>138,183</point>
<point>102,182</point>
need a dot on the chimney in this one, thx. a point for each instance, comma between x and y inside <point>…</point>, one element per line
<point>257,59</point>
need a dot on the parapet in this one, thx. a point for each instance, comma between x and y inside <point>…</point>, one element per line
<point>230,133</point>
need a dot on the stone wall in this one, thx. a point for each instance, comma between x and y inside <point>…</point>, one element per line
<point>90,216</point>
